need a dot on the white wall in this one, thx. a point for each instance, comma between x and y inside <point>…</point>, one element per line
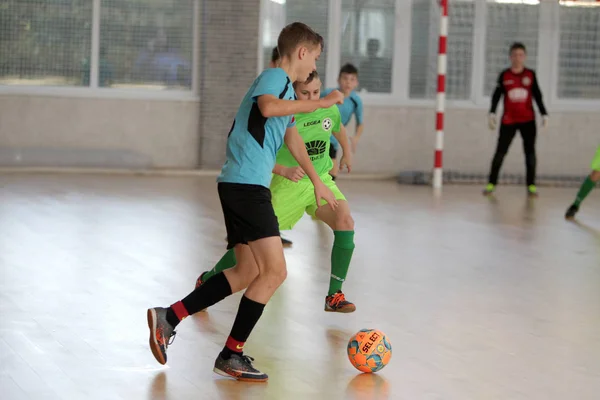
<point>402,139</point>
<point>67,131</point>
<point>64,131</point>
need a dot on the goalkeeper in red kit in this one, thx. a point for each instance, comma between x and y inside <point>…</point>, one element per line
<point>519,87</point>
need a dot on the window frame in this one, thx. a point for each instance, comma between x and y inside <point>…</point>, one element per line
<point>93,91</point>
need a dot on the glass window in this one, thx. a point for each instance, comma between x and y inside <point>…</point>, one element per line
<point>146,44</point>
<point>279,13</point>
<point>368,41</point>
<point>508,23</point>
<point>579,54</point>
<point>43,42</point>
<point>424,49</point>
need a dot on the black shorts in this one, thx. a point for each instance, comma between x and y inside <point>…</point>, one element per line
<point>332,152</point>
<point>248,213</point>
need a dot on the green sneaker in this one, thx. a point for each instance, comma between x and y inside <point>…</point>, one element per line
<point>532,191</point>
<point>489,189</point>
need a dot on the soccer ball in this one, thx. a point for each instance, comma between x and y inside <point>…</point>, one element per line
<point>369,350</point>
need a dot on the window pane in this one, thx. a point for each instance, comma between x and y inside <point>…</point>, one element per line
<point>424,49</point>
<point>44,42</point>
<point>368,41</point>
<point>579,56</point>
<point>279,13</point>
<point>146,44</point>
<point>508,23</point>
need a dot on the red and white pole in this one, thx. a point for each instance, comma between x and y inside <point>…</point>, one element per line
<point>441,96</point>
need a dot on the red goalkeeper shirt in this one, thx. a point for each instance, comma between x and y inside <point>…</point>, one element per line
<point>519,91</point>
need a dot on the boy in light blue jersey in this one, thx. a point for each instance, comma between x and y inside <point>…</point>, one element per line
<point>264,121</point>
<point>348,82</point>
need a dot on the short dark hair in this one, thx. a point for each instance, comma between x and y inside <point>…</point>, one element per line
<point>296,34</point>
<point>517,46</point>
<point>275,54</point>
<point>348,69</point>
<point>313,75</point>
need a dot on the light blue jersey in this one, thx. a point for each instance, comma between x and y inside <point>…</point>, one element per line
<point>254,140</point>
<point>352,105</point>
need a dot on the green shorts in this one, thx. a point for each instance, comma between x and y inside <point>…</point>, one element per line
<point>291,199</point>
<point>596,161</point>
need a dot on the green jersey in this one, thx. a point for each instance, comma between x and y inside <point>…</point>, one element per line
<point>316,129</point>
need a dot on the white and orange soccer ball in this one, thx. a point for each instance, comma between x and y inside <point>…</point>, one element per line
<point>369,350</point>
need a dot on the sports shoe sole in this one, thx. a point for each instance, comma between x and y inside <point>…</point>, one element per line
<point>154,346</point>
<point>343,310</point>
<point>225,374</point>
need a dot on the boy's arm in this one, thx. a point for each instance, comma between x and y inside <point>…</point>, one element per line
<point>271,106</point>
<point>537,95</point>
<point>357,135</point>
<point>294,174</point>
<point>498,92</point>
<point>358,113</point>
<point>279,170</point>
<point>342,137</point>
<point>296,145</point>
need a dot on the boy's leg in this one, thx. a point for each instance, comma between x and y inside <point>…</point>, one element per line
<point>586,186</point>
<point>528,133</point>
<point>505,137</point>
<point>252,221</point>
<point>227,261</point>
<point>289,202</point>
<point>268,255</point>
<point>163,321</point>
<point>342,224</point>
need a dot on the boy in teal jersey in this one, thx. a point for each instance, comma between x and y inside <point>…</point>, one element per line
<point>292,190</point>
<point>263,122</point>
<point>348,82</point>
<point>586,186</point>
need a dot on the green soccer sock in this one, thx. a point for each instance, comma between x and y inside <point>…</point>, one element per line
<point>584,190</point>
<point>341,254</point>
<point>226,262</point>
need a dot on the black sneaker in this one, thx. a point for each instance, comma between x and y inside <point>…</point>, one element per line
<point>571,212</point>
<point>239,367</point>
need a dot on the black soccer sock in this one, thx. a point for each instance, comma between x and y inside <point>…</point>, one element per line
<point>248,315</point>
<point>212,291</point>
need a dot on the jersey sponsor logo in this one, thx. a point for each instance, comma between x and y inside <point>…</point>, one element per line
<point>327,124</point>
<point>526,81</point>
<point>311,123</point>
<point>316,149</point>
<point>518,95</point>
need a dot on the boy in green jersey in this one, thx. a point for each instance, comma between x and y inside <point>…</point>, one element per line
<point>292,192</point>
<point>586,186</point>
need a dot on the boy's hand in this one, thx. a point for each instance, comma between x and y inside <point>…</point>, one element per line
<point>335,97</point>
<point>544,121</point>
<point>492,122</point>
<point>323,192</point>
<point>294,174</point>
<point>347,162</point>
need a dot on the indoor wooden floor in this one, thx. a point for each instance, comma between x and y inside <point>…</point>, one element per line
<point>481,299</point>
